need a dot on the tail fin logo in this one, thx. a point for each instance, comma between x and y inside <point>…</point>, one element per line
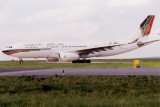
<point>145,30</point>
<point>146,25</point>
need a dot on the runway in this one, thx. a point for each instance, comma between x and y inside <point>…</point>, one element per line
<point>44,73</point>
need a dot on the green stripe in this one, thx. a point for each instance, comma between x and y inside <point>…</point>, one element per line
<point>20,50</point>
<point>34,50</point>
<point>147,23</point>
<point>10,52</point>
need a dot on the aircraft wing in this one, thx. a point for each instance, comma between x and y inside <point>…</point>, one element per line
<point>97,49</point>
<point>110,47</point>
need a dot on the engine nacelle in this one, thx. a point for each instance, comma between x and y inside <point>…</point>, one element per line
<point>67,57</point>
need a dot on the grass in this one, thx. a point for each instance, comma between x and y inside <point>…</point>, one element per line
<point>111,63</point>
<point>63,65</point>
<point>64,91</point>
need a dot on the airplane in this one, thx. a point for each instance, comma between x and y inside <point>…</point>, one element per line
<point>80,52</point>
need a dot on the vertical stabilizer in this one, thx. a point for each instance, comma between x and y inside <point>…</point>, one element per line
<point>144,30</point>
<point>146,25</point>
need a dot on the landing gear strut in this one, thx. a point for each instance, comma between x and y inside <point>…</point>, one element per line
<point>81,61</point>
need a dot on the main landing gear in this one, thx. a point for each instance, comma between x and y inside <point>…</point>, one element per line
<point>81,61</point>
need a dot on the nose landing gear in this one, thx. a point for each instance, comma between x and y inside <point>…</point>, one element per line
<point>21,61</point>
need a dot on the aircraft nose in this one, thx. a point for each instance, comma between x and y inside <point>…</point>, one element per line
<point>4,51</point>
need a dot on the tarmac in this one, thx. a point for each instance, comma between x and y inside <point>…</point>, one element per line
<point>44,73</point>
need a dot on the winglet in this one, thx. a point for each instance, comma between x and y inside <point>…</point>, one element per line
<point>146,25</point>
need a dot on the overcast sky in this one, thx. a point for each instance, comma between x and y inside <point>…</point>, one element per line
<point>77,20</point>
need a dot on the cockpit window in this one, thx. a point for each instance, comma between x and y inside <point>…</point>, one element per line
<point>9,46</point>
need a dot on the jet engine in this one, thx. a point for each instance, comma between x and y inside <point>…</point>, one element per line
<point>67,57</point>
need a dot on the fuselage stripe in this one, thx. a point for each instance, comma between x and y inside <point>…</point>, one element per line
<point>10,52</point>
<point>16,52</point>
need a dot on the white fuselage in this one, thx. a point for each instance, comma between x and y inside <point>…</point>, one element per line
<point>52,49</point>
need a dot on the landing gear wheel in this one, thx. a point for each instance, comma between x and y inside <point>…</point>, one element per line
<point>81,61</point>
<point>21,62</point>
<point>88,61</point>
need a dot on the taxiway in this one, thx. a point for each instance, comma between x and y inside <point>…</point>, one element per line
<point>80,72</point>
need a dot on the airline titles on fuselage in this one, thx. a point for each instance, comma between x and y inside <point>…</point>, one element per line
<point>48,45</point>
<point>32,45</point>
